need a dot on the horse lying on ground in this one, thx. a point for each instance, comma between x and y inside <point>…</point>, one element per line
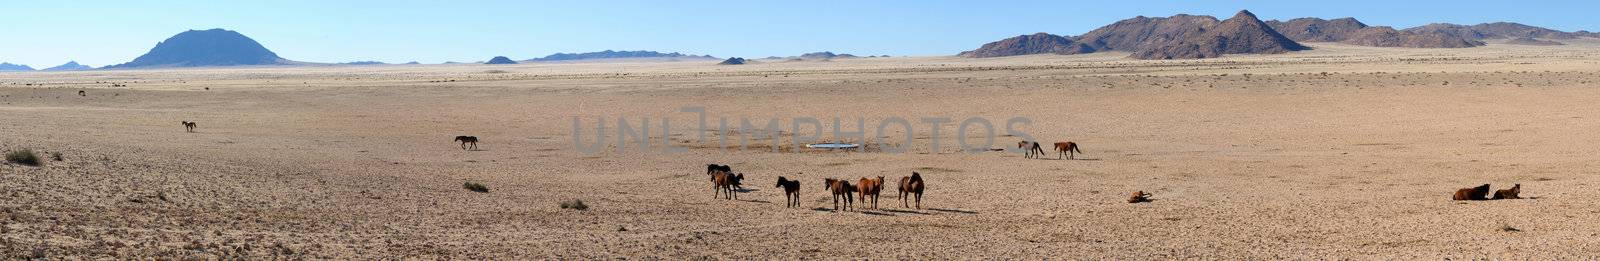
<point>1509,193</point>
<point>911,185</point>
<point>1030,149</point>
<point>840,188</point>
<point>188,125</point>
<point>468,139</point>
<point>1473,193</point>
<point>791,191</point>
<point>873,188</point>
<point>1139,197</point>
<point>725,181</point>
<point>1066,148</point>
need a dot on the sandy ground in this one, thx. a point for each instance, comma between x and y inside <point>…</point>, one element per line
<point>1247,157</point>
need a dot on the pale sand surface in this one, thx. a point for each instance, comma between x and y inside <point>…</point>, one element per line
<point>1248,157</point>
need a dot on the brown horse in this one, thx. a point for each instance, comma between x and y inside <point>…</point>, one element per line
<point>725,181</point>
<point>1139,197</point>
<point>1509,193</point>
<point>911,185</point>
<point>873,188</point>
<point>1066,148</point>
<point>791,191</point>
<point>1473,193</point>
<point>189,126</point>
<point>1030,149</point>
<point>468,139</point>
<point>840,188</point>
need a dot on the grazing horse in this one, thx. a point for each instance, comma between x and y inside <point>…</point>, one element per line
<point>1509,193</point>
<point>468,139</point>
<point>911,185</point>
<point>725,181</point>
<point>840,188</point>
<point>1139,197</point>
<point>1473,193</point>
<point>872,188</point>
<point>189,126</point>
<point>1030,149</point>
<point>791,191</point>
<point>1066,148</point>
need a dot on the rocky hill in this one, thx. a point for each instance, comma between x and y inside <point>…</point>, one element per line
<point>500,60</point>
<point>1350,31</point>
<point>733,61</point>
<point>69,66</point>
<point>1531,41</point>
<point>1497,30</point>
<point>1241,34</point>
<point>215,47</point>
<point>14,67</point>
<point>1039,43</point>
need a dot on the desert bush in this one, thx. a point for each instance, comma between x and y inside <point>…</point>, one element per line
<point>475,187</point>
<point>496,71</point>
<point>574,204</point>
<point>56,156</point>
<point>23,157</point>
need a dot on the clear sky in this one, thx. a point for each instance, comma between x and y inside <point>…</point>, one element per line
<point>98,33</point>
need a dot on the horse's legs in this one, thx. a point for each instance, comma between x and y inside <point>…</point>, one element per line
<point>919,200</point>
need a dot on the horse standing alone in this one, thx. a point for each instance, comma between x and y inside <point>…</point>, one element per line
<point>911,185</point>
<point>468,139</point>
<point>791,191</point>
<point>189,126</point>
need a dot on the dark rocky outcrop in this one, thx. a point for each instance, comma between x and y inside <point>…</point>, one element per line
<point>733,61</point>
<point>1039,43</point>
<point>215,47</point>
<point>500,60</point>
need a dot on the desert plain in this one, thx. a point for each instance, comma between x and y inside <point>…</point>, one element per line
<point>1338,152</point>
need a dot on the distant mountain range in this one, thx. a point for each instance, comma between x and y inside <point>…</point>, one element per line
<point>14,67</point>
<point>215,47</point>
<point>1194,36</point>
<point>69,66</point>
<point>609,54</point>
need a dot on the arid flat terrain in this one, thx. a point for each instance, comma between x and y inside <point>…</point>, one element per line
<point>1341,151</point>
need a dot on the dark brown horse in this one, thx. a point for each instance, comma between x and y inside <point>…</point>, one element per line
<point>189,125</point>
<point>1139,197</point>
<point>468,139</point>
<point>1473,193</point>
<point>871,188</point>
<point>1509,193</point>
<point>840,188</point>
<point>1030,149</point>
<point>725,181</point>
<point>791,191</point>
<point>911,185</point>
<point>1066,148</point>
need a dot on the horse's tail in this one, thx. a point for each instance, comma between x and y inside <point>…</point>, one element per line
<point>1074,148</point>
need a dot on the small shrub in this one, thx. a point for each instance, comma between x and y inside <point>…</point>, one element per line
<point>475,187</point>
<point>56,156</point>
<point>23,157</point>
<point>574,204</point>
<point>1509,228</point>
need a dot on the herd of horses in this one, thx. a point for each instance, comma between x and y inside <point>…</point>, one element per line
<point>725,183</point>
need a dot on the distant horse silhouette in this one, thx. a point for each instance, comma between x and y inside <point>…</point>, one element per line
<point>911,185</point>
<point>1066,148</point>
<point>1139,197</point>
<point>1030,149</point>
<point>791,191</point>
<point>872,188</point>
<point>1509,193</point>
<point>189,126</point>
<point>840,188</point>
<point>1473,193</point>
<point>725,181</point>
<point>468,139</point>
<point>81,93</point>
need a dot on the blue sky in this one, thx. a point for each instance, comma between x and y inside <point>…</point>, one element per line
<point>97,33</point>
